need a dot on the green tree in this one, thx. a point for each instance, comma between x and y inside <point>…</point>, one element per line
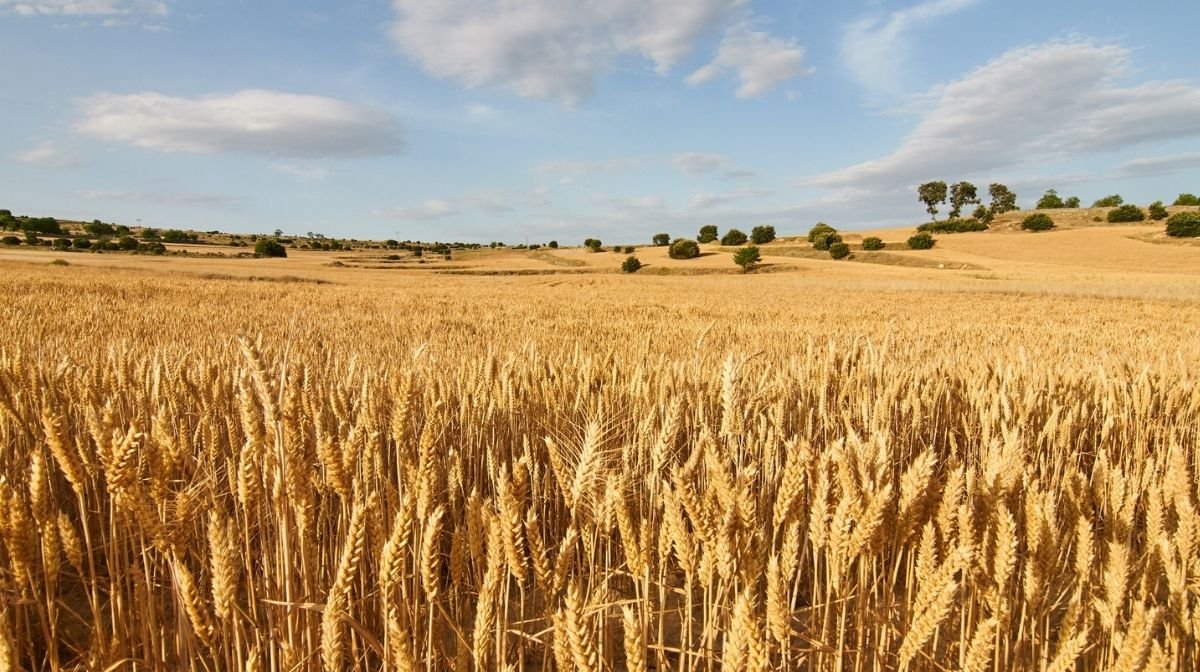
<point>839,250</point>
<point>932,194</point>
<point>747,257</point>
<point>983,214</point>
<point>1050,201</point>
<point>269,248</point>
<point>708,233</point>
<point>1072,202</point>
<point>1039,221</point>
<point>962,194</point>
<point>1003,199</point>
<point>682,248</point>
<point>733,237</point>
<point>921,241</point>
<point>825,240</point>
<point>631,265</point>
<point>872,243</point>
<point>661,239</point>
<point>99,228</point>
<point>128,243</point>
<point>552,244</point>
<point>760,235</point>
<point>1110,201</point>
<point>1187,199</point>
<point>1184,225</point>
<point>1126,213</point>
<point>818,230</point>
<point>1158,211</point>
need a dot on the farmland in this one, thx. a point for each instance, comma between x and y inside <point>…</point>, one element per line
<point>981,456</point>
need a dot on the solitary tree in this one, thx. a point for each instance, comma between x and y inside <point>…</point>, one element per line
<point>269,248</point>
<point>1110,201</point>
<point>708,233</point>
<point>1003,199</point>
<point>818,230</point>
<point>932,194</point>
<point>631,265</point>
<point>1158,211</point>
<point>1050,201</point>
<point>682,248</point>
<point>762,234</point>
<point>962,194</point>
<point>1071,202</point>
<point>733,237</point>
<point>747,257</point>
<point>662,239</point>
<point>1187,199</point>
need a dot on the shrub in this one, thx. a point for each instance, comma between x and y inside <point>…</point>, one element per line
<point>954,226</point>
<point>59,262</point>
<point>983,214</point>
<point>593,244</point>
<point>46,225</point>
<point>629,249</point>
<point>819,229</point>
<point>83,243</point>
<point>176,236</point>
<point>921,241</point>
<point>1187,199</point>
<point>824,242</point>
<point>872,243</point>
<point>708,234</point>
<point>682,248</point>
<point>631,265</point>
<point>10,240</point>
<point>1110,201</point>
<point>1071,203</point>
<point>552,244</point>
<point>1184,225</point>
<point>1050,201</point>
<point>1126,213</point>
<point>149,234</point>
<point>127,243</point>
<point>62,243</point>
<point>1038,222</point>
<point>661,239</point>
<point>617,248</point>
<point>152,247</point>
<point>839,250</point>
<point>1157,211</point>
<point>99,228</point>
<point>269,248</point>
<point>760,235</point>
<point>733,237</point>
<point>747,257</point>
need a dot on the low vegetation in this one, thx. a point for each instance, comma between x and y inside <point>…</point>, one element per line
<point>839,250</point>
<point>1184,225</point>
<point>872,243</point>
<point>748,258</point>
<point>682,248</point>
<point>631,265</point>
<point>1039,221</point>
<point>921,241</point>
<point>733,237</point>
<point>954,226</point>
<point>1125,214</point>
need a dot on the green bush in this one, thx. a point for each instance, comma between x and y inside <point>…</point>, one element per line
<point>629,249</point>
<point>631,265</point>
<point>825,241</point>
<point>152,247</point>
<point>1110,201</point>
<point>1126,213</point>
<point>921,241</point>
<point>1187,199</point>
<point>661,239</point>
<point>1071,203</point>
<point>552,244</point>
<point>872,243</point>
<point>761,235</point>
<point>708,234</point>
<point>149,234</point>
<point>819,229</point>
<point>1050,201</point>
<point>10,240</point>
<point>269,248</point>
<point>1037,222</point>
<point>733,237</point>
<point>983,214</point>
<point>953,226</point>
<point>1158,211</point>
<point>127,243</point>
<point>62,243</point>
<point>747,257</point>
<point>1184,225</point>
<point>617,249</point>
<point>839,250</point>
<point>83,243</point>
<point>593,244</point>
<point>682,248</point>
<point>59,262</point>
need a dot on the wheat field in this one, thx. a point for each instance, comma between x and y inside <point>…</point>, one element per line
<point>592,473</point>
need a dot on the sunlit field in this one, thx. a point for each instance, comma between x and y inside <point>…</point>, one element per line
<point>783,471</point>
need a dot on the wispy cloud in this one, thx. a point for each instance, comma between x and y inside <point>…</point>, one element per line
<point>252,122</point>
<point>760,61</point>
<point>48,155</point>
<point>702,201</point>
<point>693,163</point>
<point>427,211</point>
<point>876,48</point>
<point>174,199</point>
<point>1159,165</point>
<point>85,8</point>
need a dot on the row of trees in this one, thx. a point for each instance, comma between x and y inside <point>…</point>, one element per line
<point>962,194</point>
<point>759,235</point>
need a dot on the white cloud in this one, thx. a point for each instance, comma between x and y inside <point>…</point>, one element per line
<point>427,211</point>
<point>876,48</point>
<point>694,163</point>
<point>550,48</point>
<point>301,171</point>
<point>252,121</point>
<point>702,201</point>
<point>1159,165</point>
<point>83,8</point>
<point>1031,106</point>
<point>48,155</point>
<point>177,199</point>
<point>761,62</point>
<point>571,169</point>
<point>539,197</point>
<point>635,203</point>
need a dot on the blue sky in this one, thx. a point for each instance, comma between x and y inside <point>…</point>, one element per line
<point>565,119</point>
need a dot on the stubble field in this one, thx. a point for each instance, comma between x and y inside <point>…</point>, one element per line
<point>854,466</point>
